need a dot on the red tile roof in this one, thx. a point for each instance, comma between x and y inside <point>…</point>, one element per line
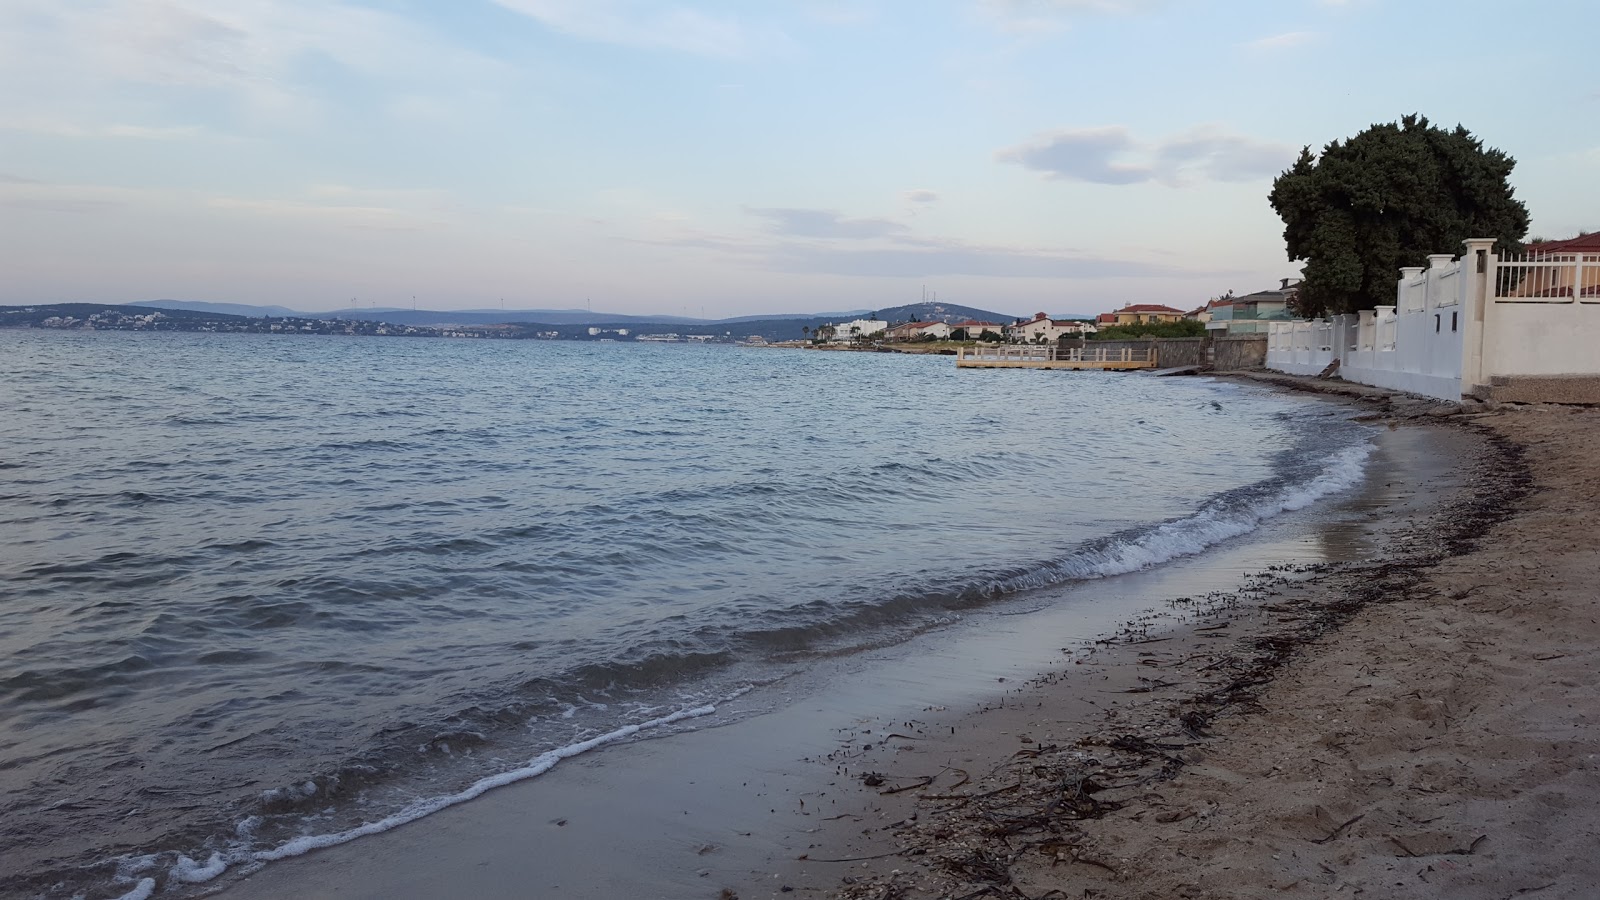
<point>1587,243</point>
<point>1149,308</point>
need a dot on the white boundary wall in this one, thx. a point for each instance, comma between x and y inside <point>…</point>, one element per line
<point>1458,324</point>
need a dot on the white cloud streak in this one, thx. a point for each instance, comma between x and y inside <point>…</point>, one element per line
<point>824,223</point>
<point>641,23</point>
<point>1044,16</point>
<point>1283,41</point>
<point>83,61</point>
<point>1111,155</point>
<point>815,241</point>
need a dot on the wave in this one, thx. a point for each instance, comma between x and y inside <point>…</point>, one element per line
<point>190,871</point>
<point>1228,516</point>
<point>798,629</point>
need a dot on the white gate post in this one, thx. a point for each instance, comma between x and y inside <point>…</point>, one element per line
<point>1477,295</point>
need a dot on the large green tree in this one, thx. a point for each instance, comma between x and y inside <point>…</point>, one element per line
<point>1385,199</point>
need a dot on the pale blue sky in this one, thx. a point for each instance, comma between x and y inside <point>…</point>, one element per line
<point>732,157</point>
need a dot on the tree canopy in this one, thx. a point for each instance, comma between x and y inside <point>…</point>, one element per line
<point>1385,199</point>
<point>1179,329</point>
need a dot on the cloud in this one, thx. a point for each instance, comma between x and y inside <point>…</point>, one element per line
<point>1283,41</point>
<point>827,244</point>
<point>640,23</point>
<point>1215,154</point>
<point>85,60</point>
<point>58,128</point>
<point>343,206</point>
<point>1043,16</point>
<point>840,12</point>
<point>922,195</point>
<point>822,223</point>
<point>926,259</point>
<point>1111,155</point>
<point>1082,154</point>
<point>61,128</point>
<point>40,196</point>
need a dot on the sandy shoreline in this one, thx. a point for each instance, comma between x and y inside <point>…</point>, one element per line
<point>1421,725</point>
<point>755,806</point>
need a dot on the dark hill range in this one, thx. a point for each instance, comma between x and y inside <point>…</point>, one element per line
<point>569,324</point>
<point>226,309</point>
<point>942,312</point>
<point>752,324</point>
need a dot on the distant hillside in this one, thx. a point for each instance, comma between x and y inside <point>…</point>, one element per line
<point>943,312</point>
<point>827,316</point>
<point>496,316</point>
<point>226,309</point>
<point>575,322</point>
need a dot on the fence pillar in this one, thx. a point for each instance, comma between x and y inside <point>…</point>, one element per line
<point>1402,292</point>
<point>1477,286</point>
<point>1436,265</point>
<point>1367,333</point>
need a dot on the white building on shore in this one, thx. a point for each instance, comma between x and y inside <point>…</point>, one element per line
<point>1042,329</point>
<point>845,332</point>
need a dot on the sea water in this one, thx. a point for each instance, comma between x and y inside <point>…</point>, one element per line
<point>261,594</point>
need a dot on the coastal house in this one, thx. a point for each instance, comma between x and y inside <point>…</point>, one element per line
<point>1583,243</point>
<point>1251,313</point>
<point>1546,283</point>
<point>971,329</point>
<point>857,329</point>
<point>905,331</point>
<point>1141,314</point>
<point>917,331</point>
<point>1041,329</point>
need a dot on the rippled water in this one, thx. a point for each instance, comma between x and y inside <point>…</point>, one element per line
<point>262,589</point>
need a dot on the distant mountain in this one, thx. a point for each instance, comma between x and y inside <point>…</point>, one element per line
<point>942,312</point>
<point>772,326</point>
<point>496,316</point>
<point>829,316</point>
<point>226,309</point>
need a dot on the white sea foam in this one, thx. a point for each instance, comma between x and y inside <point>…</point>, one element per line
<point>187,870</point>
<point>141,891</point>
<point>1211,524</point>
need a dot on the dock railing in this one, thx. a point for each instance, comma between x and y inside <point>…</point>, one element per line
<point>1042,353</point>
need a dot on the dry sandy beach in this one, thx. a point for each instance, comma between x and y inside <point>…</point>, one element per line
<point>1409,719</point>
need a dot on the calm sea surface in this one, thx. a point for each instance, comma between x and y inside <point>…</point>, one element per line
<point>257,593</point>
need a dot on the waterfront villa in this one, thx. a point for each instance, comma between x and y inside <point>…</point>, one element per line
<point>1251,313</point>
<point>916,331</point>
<point>1141,314</point>
<point>972,330</point>
<point>845,332</point>
<point>1042,329</point>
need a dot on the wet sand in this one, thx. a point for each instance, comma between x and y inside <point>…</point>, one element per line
<point>1420,725</point>
<point>830,766</point>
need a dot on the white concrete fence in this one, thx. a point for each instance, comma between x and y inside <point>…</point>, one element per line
<point>1459,326</point>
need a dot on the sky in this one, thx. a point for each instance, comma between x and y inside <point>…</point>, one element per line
<point>733,157</point>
